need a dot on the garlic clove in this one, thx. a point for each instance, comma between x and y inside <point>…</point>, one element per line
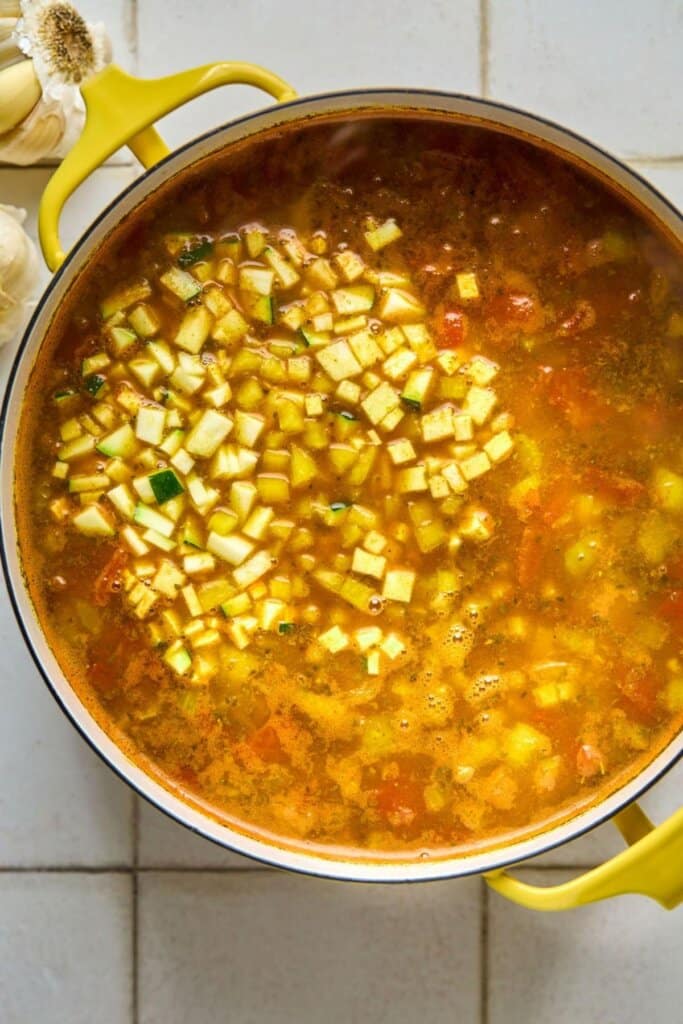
<point>18,272</point>
<point>64,47</point>
<point>37,137</point>
<point>19,92</point>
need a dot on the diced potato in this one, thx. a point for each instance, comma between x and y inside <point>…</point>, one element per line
<point>401,451</point>
<point>355,298</point>
<point>365,348</point>
<point>475,466</point>
<point>375,542</point>
<point>248,427</point>
<point>338,361</point>
<point>468,288</point>
<point>367,637</point>
<point>334,640</point>
<point>667,489</point>
<point>303,467</point>
<point>368,564</point>
<point>273,488</point>
<point>398,585</point>
<point>499,447</point>
<point>348,391</point>
<point>380,402</point>
<point>411,479</point>
<point>399,363</point>
<point>314,405</point>
<point>524,743</point>
<point>481,371</point>
<point>208,433</point>
<point>454,477</point>
<point>479,403</point>
<point>463,427</point>
<point>437,424</point>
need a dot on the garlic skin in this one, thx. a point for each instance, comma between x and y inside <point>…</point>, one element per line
<point>19,273</point>
<point>49,52</point>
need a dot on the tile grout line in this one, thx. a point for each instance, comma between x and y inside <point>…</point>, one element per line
<point>484,47</point>
<point>484,953</point>
<point>188,869</point>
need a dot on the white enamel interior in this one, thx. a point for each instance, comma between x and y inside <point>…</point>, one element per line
<point>299,859</point>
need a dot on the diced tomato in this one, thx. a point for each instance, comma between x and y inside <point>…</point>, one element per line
<point>582,318</point>
<point>530,556</point>
<point>671,609</point>
<point>619,490</point>
<point>266,743</point>
<point>400,801</point>
<point>513,309</point>
<point>589,761</point>
<point>452,330</point>
<point>640,690</point>
<point>109,579</point>
<point>569,390</point>
<point>674,569</point>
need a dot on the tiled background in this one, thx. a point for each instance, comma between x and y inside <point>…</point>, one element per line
<point>111,913</point>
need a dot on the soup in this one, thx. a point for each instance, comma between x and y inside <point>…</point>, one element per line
<point>353,495</point>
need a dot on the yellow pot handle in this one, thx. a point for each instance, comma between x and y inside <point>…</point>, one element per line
<point>120,110</point>
<point>652,865</point>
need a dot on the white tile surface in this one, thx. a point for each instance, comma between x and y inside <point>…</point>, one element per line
<point>323,47</point>
<point>65,949</point>
<point>667,177</point>
<point>616,963</point>
<point>611,70</point>
<point>257,947</point>
<point>263,948</point>
<point>59,805</point>
<point>163,843</point>
<point>64,806</point>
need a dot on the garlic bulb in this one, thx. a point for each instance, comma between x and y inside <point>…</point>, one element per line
<point>18,272</point>
<point>47,51</point>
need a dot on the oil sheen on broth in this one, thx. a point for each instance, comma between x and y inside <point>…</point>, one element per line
<point>354,494</point>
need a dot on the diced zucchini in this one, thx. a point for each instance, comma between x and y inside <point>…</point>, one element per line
<point>284,271</point>
<point>125,297</point>
<point>193,250</point>
<point>194,329</point>
<point>165,485</point>
<point>208,433</point>
<point>380,402</point>
<point>121,443</point>
<point>230,329</point>
<point>258,280</point>
<point>231,548</point>
<point>149,424</point>
<point>81,483</point>
<point>178,658</point>
<point>144,321</point>
<point>398,306</point>
<point>417,387</point>
<point>259,307</point>
<point>181,283</point>
<point>338,360</point>
<point>93,521</point>
<point>355,298</point>
<point>500,446</point>
<point>349,265</point>
<point>253,569</point>
<point>121,340</point>
<point>153,520</point>
<point>379,237</point>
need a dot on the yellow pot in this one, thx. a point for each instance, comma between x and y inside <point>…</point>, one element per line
<point>121,111</point>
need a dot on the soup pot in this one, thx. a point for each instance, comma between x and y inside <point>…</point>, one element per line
<point>121,111</point>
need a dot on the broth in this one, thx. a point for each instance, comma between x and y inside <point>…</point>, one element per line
<point>353,496</point>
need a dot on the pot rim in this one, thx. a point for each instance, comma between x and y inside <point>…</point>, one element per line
<point>300,856</point>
